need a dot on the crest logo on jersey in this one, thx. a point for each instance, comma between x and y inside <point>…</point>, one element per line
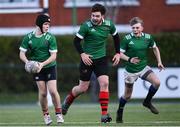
<point>131,43</point>
<point>30,44</point>
<point>145,40</point>
<point>46,43</point>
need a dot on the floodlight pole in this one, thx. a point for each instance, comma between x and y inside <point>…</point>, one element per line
<point>74,15</point>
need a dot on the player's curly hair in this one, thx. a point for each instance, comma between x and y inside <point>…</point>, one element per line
<point>98,8</point>
<point>136,20</point>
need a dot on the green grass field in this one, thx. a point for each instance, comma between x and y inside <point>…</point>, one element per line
<point>89,115</point>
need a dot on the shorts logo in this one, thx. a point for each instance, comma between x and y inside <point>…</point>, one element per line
<point>49,75</point>
<point>36,77</point>
<point>84,71</point>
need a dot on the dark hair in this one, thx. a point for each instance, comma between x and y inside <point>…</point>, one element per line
<point>41,19</point>
<point>136,20</point>
<point>98,8</point>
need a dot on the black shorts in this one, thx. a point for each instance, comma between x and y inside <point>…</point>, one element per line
<point>46,74</point>
<point>99,67</point>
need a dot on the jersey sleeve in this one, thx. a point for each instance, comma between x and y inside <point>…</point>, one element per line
<point>82,31</point>
<point>113,30</point>
<point>53,44</point>
<point>123,45</point>
<point>24,44</point>
<point>152,43</point>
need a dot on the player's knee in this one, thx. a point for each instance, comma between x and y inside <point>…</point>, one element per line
<point>43,94</point>
<point>104,84</point>
<point>53,93</point>
<point>127,97</point>
<point>83,87</point>
<point>157,83</point>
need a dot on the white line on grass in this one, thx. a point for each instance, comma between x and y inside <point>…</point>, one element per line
<point>82,123</point>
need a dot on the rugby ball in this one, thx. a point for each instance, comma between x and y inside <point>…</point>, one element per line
<point>32,66</point>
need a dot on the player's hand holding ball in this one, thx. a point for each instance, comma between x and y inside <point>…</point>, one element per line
<point>32,67</point>
<point>40,67</point>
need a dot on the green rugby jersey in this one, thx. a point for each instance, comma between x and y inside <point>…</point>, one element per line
<point>95,37</point>
<point>39,47</point>
<point>137,47</point>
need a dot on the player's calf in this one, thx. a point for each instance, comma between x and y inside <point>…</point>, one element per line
<point>65,108</point>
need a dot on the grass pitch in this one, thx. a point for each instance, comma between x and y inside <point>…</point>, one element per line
<point>89,115</point>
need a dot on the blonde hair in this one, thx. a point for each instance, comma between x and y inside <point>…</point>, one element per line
<point>136,20</point>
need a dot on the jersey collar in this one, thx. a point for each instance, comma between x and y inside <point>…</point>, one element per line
<point>34,32</point>
<point>101,23</point>
<point>132,34</point>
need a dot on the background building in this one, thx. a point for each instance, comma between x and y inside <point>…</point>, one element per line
<point>19,15</point>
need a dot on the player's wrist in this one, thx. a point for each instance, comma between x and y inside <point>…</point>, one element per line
<point>83,53</point>
<point>129,59</point>
<point>26,61</point>
<point>159,62</point>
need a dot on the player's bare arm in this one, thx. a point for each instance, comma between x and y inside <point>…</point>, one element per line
<point>23,57</point>
<point>49,60</point>
<point>158,57</point>
<point>134,60</point>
